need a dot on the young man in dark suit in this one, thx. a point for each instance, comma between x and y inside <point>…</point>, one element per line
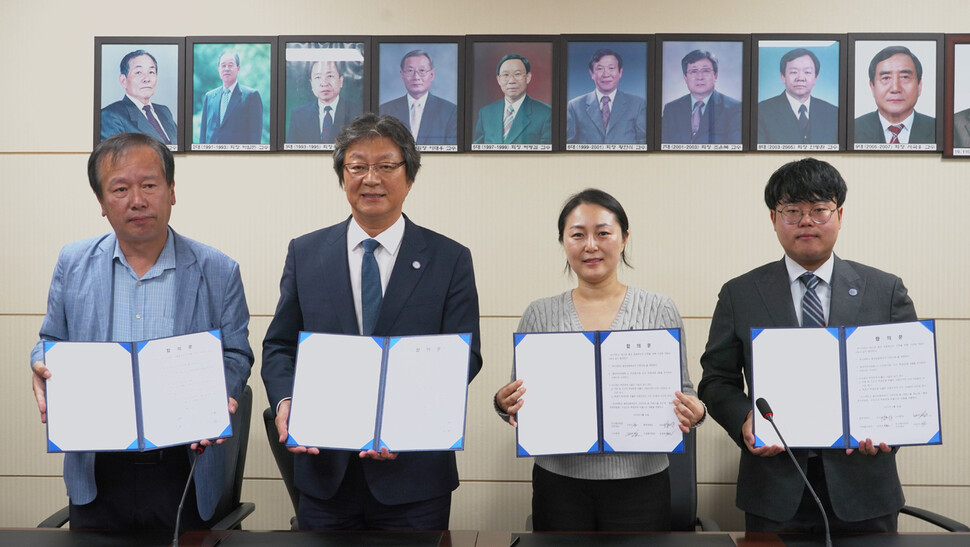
<point>860,488</point>
<point>426,285</point>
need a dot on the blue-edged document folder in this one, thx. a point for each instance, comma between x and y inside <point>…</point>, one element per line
<point>832,387</point>
<point>601,391</point>
<point>406,393</point>
<point>137,396</point>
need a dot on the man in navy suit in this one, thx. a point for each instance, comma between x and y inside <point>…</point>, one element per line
<point>426,285</point>
<point>231,113</point>
<point>517,118</point>
<point>135,112</point>
<point>704,115</point>
<point>606,115</point>
<point>320,121</point>
<point>139,282</point>
<point>859,488</point>
<point>795,116</point>
<point>431,119</point>
<point>896,81</point>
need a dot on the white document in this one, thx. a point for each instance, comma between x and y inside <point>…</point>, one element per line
<point>892,384</point>
<point>102,397</point>
<point>641,372</point>
<point>559,412</point>
<point>90,397</point>
<point>350,390</point>
<point>797,371</point>
<point>335,391</point>
<point>425,393</point>
<point>183,389</point>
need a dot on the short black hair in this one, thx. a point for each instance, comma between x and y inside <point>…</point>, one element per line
<point>593,196</point>
<point>795,54</point>
<point>888,52</point>
<point>369,126</point>
<point>117,146</point>
<point>809,180</point>
<point>604,52</point>
<point>697,55</point>
<point>417,53</point>
<point>509,57</point>
<point>126,60</point>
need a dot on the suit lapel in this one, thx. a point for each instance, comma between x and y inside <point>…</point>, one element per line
<point>618,110</point>
<point>594,113</point>
<point>103,286</point>
<point>848,291</point>
<point>188,281</point>
<point>332,259</point>
<point>775,292</point>
<point>411,263</point>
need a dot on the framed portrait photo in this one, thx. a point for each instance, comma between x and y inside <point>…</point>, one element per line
<point>326,85</point>
<point>895,92</point>
<point>512,92</point>
<point>798,94</point>
<point>956,129</point>
<point>138,88</point>
<point>703,92</point>
<point>607,87</point>
<point>232,89</point>
<point>417,81</point>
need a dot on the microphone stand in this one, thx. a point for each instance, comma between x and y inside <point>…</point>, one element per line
<point>178,515</point>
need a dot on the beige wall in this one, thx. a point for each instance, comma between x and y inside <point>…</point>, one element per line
<point>697,220</point>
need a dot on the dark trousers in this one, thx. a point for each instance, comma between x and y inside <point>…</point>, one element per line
<point>353,507</point>
<point>808,519</point>
<point>562,503</point>
<point>139,491</point>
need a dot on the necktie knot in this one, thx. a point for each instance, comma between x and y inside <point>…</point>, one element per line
<point>369,245</point>
<point>895,129</point>
<point>810,280</point>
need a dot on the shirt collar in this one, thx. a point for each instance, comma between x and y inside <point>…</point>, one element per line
<point>907,123</point>
<point>390,239</point>
<point>517,104</point>
<point>823,272</point>
<point>599,96</point>
<point>138,104</point>
<point>165,261</point>
<point>421,101</point>
<point>795,105</point>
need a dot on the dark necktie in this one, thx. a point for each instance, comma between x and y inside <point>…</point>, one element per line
<point>895,129</point>
<point>803,121</point>
<point>606,111</point>
<point>155,124</point>
<point>370,286</point>
<point>812,315</point>
<point>326,135</point>
<point>695,118</point>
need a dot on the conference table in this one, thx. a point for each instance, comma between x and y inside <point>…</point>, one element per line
<point>28,537</point>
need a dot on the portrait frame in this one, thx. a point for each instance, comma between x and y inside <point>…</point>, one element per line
<point>258,73</point>
<point>482,53</point>
<point>297,56</point>
<point>171,96</point>
<point>447,54</point>
<point>863,126</point>
<point>957,78</point>
<point>637,82</point>
<point>767,88</point>
<point>732,52</point>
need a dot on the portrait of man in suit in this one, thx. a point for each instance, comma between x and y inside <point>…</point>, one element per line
<point>896,82</point>
<point>795,116</point>
<point>135,112</point>
<point>809,287</point>
<point>142,281</point>
<point>703,115</point>
<point>319,121</point>
<point>606,115</point>
<point>375,273</point>
<point>231,113</point>
<point>517,118</point>
<point>431,119</point>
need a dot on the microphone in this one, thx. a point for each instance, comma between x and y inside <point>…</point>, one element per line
<point>178,515</point>
<point>765,409</point>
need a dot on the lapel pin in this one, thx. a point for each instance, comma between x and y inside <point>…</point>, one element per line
<point>416,265</point>
<point>853,292</point>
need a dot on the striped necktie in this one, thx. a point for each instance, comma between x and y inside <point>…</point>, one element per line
<point>507,122</point>
<point>812,315</point>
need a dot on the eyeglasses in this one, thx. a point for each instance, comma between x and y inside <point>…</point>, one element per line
<point>360,170</point>
<point>818,214</point>
<point>410,73</point>
<point>506,76</point>
<point>694,73</point>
